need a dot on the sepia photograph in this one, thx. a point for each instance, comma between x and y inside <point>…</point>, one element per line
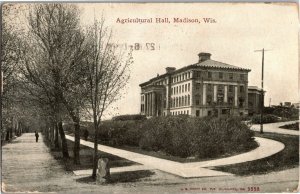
<point>152,97</point>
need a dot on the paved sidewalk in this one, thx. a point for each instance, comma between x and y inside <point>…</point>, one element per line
<point>189,170</point>
<point>28,166</point>
<point>274,128</point>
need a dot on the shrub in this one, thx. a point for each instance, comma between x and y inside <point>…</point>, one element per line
<point>190,136</point>
<point>282,111</point>
<point>266,119</point>
<point>180,135</point>
<point>129,117</point>
<point>117,133</point>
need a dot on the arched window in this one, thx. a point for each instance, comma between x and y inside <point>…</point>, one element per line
<point>179,101</point>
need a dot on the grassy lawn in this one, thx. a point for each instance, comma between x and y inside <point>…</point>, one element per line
<point>157,154</point>
<point>288,158</point>
<point>86,158</point>
<point>163,155</point>
<point>86,162</point>
<point>293,126</point>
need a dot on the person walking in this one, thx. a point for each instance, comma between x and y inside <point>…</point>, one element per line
<point>36,136</point>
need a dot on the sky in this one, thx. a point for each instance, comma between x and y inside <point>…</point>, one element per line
<point>239,29</point>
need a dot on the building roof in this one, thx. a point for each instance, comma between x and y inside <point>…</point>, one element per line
<point>253,88</point>
<point>217,64</point>
<point>204,62</point>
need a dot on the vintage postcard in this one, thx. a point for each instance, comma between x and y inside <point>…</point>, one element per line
<point>149,97</point>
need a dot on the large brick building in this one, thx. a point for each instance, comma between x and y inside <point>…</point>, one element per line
<point>205,88</point>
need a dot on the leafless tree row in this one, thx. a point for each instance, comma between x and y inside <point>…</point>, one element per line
<point>62,71</point>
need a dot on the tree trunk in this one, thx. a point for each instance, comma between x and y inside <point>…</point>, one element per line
<point>10,133</point>
<point>95,157</point>
<point>51,134</point>
<point>56,144</point>
<point>77,142</point>
<point>63,141</point>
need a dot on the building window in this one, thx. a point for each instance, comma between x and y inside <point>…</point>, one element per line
<point>176,105</point>
<point>241,102</point>
<point>187,112</point>
<point>220,88</point>
<point>197,113</point>
<point>220,75</point>
<point>230,76</point>
<point>188,86</point>
<point>185,87</point>
<point>209,87</point>
<point>230,89</point>
<point>209,99</point>
<point>142,108</point>
<point>176,89</point>
<point>242,76</point>
<point>185,100</point>
<point>230,100</point>
<point>209,113</point>
<point>197,99</point>
<point>179,89</point>
<point>241,89</point>
<point>225,111</point>
<point>189,75</point>
<point>209,75</point>
<point>188,100</point>
<point>181,101</point>
<point>171,90</point>
<point>198,86</point>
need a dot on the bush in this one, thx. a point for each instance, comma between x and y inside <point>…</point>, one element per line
<point>180,135</point>
<point>266,119</point>
<point>117,133</point>
<point>129,117</point>
<point>282,111</point>
<point>190,136</point>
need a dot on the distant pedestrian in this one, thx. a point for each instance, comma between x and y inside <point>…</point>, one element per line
<point>86,134</point>
<point>36,136</point>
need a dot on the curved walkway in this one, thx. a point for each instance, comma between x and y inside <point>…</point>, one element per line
<point>274,128</point>
<point>266,148</point>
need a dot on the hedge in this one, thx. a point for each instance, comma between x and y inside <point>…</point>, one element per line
<point>190,136</point>
<point>129,117</point>
<point>181,135</point>
<point>268,118</point>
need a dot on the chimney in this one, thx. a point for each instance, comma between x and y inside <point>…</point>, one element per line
<point>170,69</point>
<point>203,57</point>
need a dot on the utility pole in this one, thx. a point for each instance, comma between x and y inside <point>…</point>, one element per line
<point>262,89</point>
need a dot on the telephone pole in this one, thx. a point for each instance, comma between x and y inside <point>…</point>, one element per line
<point>262,89</point>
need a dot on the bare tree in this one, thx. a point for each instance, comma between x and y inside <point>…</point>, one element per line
<point>108,73</point>
<point>57,40</point>
<point>10,58</point>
